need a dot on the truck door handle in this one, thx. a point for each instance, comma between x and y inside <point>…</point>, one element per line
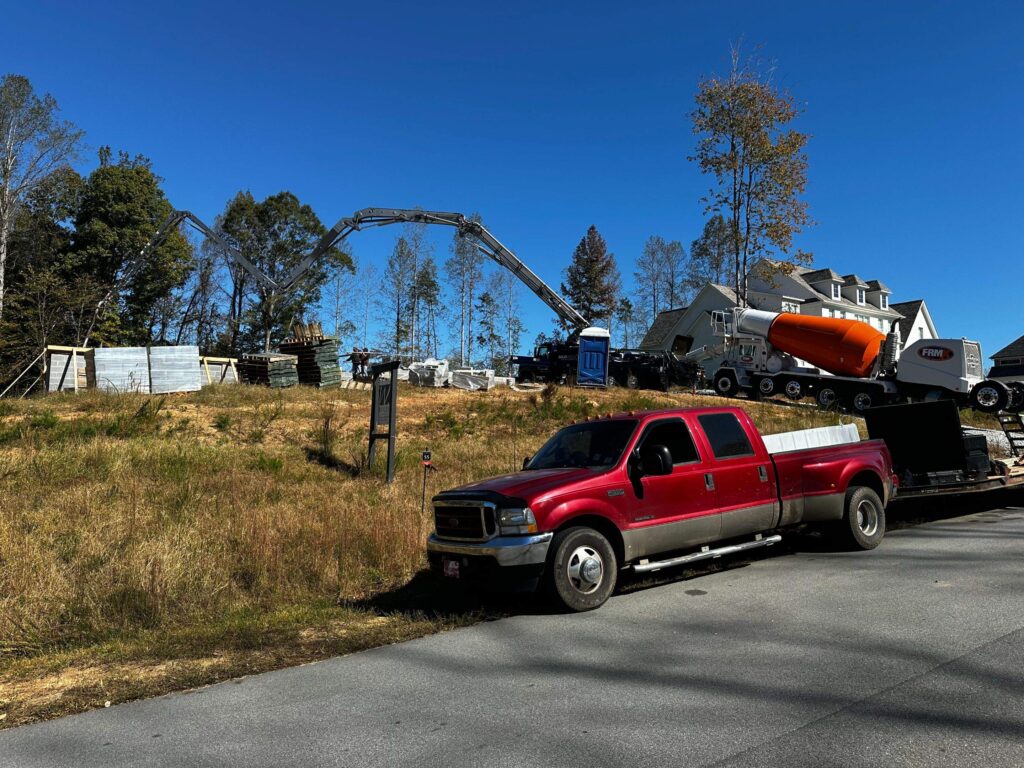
<point>763,474</point>
<point>709,481</point>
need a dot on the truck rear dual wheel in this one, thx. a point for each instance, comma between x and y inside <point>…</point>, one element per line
<point>863,523</point>
<point>582,569</point>
<point>990,396</point>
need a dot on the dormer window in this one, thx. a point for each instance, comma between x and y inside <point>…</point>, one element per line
<point>860,295</point>
<point>837,291</point>
<point>884,302</point>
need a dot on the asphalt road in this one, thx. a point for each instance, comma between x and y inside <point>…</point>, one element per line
<point>910,655</point>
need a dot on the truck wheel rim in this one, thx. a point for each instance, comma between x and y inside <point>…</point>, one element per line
<point>987,397</point>
<point>725,385</point>
<point>793,389</point>
<point>862,401</point>
<point>766,386</point>
<point>827,397</point>
<point>867,518</point>
<point>585,569</point>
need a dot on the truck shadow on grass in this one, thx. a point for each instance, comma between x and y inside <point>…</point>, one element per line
<point>430,595</point>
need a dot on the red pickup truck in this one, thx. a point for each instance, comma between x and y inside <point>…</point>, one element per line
<point>651,490</point>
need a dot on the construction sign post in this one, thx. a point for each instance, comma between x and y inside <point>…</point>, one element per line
<point>384,412</point>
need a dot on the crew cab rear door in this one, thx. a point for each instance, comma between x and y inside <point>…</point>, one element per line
<point>742,475</point>
<point>677,510</point>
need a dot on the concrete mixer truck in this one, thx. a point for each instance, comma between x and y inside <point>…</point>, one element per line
<point>847,363</point>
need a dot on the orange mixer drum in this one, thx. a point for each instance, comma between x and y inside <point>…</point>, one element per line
<point>841,347</point>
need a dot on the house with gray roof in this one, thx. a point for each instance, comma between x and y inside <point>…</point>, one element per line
<point>1009,362</point>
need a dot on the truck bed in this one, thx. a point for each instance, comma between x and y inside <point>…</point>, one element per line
<point>807,478</point>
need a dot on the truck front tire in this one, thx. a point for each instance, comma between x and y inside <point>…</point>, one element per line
<point>583,569</point>
<point>863,523</point>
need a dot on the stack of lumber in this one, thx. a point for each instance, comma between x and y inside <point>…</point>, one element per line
<point>174,369</point>
<point>270,368</point>
<point>317,355</point>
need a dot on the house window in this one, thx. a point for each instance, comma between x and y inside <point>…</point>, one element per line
<point>884,302</point>
<point>837,291</point>
<point>860,295</point>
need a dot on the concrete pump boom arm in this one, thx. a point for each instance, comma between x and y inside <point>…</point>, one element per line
<point>487,244</point>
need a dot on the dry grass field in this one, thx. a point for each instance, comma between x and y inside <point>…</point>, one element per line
<point>153,543</point>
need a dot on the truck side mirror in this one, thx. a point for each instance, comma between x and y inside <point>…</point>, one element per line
<point>655,460</point>
<point>526,461</point>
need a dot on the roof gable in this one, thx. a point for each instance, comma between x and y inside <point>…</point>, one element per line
<point>1013,349</point>
<point>661,327</point>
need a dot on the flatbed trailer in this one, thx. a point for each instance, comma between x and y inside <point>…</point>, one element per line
<point>933,457</point>
<point>1014,480</point>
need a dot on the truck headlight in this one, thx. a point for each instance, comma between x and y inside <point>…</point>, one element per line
<point>520,520</point>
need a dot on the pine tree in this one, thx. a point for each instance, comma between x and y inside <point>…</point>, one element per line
<point>592,280</point>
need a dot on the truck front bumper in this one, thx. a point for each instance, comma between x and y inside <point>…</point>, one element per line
<point>513,563</point>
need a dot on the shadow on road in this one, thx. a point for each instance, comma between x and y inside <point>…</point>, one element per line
<point>430,595</point>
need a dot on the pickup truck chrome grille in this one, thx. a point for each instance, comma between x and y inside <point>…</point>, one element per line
<point>465,521</point>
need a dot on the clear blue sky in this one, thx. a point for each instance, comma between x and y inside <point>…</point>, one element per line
<point>549,117</point>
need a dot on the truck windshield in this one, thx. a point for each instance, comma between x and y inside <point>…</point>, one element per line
<point>593,445</point>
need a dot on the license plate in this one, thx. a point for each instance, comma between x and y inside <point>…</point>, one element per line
<point>451,568</point>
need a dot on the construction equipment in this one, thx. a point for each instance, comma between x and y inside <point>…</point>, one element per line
<point>847,363</point>
<point>589,363</point>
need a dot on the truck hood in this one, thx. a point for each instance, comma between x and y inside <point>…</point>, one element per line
<point>526,485</point>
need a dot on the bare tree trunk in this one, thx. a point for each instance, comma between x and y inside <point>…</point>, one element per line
<point>4,236</point>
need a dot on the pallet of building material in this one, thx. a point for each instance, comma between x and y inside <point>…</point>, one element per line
<point>429,373</point>
<point>122,369</point>
<point>269,368</point>
<point>218,370</point>
<point>69,369</point>
<point>317,361</point>
<point>473,379</point>
<point>174,369</point>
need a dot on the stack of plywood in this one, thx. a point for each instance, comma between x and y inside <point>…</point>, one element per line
<point>174,369</point>
<point>271,368</point>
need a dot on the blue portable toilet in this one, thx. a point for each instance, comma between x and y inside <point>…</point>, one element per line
<point>595,350</point>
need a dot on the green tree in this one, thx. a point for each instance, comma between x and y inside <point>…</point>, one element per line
<point>395,298</point>
<point>757,161</point>
<point>592,280</point>
<point>710,254</point>
<point>427,306</point>
<point>121,207</point>
<point>33,144</point>
<point>489,338</point>
<point>274,234</point>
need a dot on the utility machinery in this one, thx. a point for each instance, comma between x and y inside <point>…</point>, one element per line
<point>847,363</point>
<point>585,358</point>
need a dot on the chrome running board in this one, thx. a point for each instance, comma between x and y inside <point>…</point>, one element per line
<point>706,553</point>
